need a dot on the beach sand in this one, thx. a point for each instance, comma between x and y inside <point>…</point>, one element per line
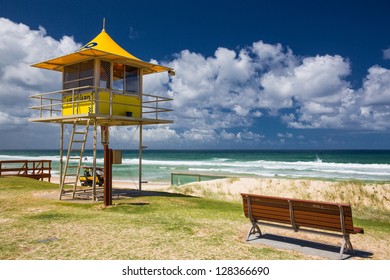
<point>373,196</point>
<point>356,193</point>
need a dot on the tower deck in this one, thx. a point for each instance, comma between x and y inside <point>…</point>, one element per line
<point>102,106</point>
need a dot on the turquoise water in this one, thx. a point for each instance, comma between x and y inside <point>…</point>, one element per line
<point>159,164</point>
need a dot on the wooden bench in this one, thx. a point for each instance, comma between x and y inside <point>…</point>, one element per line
<point>301,215</point>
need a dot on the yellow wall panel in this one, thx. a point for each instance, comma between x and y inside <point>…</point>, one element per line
<point>84,103</point>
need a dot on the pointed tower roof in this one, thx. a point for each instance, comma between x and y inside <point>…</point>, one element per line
<point>102,47</point>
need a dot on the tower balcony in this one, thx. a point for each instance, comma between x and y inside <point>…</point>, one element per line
<point>104,106</point>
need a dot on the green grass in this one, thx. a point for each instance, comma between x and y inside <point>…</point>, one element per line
<point>170,226</point>
<point>165,226</point>
<point>374,226</point>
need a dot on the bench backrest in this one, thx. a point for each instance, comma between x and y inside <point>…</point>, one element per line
<point>302,213</point>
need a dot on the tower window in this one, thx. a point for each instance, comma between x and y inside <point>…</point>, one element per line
<point>78,75</point>
<point>126,78</point>
<point>105,74</point>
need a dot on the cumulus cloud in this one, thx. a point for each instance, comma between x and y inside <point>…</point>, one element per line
<point>249,135</point>
<point>128,137</point>
<point>374,104</point>
<point>386,53</point>
<point>234,87</point>
<point>200,135</point>
<point>376,87</point>
<point>21,46</point>
<point>9,122</point>
<point>219,98</point>
<point>285,135</point>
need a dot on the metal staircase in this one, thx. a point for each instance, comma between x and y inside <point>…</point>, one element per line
<point>74,158</point>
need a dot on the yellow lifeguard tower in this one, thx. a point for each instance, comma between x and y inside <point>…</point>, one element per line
<point>101,86</point>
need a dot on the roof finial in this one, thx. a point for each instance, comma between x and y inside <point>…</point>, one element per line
<point>104,24</point>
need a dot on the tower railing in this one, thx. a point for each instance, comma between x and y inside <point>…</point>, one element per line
<point>52,104</point>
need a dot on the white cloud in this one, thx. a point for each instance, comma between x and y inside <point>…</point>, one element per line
<point>127,137</point>
<point>249,135</point>
<point>8,121</point>
<point>213,96</point>
<point>257,114</point>
<point>200,135</point>
<point>386,53</point>
<point>285,135</point>
<point>160,134</point>
<point>376,87</point>
<point>317,108</point>
<point>227,135</point>
<point>19,47</point>
<point>373,105</point>
<point>370,107</point>
<point>273,57</point>
<point>240,111</point>
<point>231,88</point>
<point>316,80</point>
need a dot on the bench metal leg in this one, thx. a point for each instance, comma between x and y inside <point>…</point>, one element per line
<point>255,229</point>
<point>346,245</point>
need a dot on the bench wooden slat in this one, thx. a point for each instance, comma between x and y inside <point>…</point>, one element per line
<point>259,212</point>
<point>330,220</point>
<point>270,214</point>
<point>259,208</point>
<point>335,210</point>
<point>308,213</point>
<point>270,217</point>
<point>323,220</point>
<point>327,219</point>
<point>255,197</point>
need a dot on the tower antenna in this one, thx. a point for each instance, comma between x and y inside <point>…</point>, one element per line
<point>104,24</point>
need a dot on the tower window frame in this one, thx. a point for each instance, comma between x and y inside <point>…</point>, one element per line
<point>126,78</point>
<point>78,75</point>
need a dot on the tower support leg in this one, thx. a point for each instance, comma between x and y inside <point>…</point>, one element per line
<point>61,157</point>
<point>94,195</point>
<point>140,159</point>
<point>107,194</point>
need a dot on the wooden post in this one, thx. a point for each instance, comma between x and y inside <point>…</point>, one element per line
<point>106,175</point>
<point>61,155</point>
<point>140,147</point>
<point>107,193</point>
<point>140,158</point>
<point>94,161</point>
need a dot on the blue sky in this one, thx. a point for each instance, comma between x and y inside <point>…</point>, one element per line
<point>250,74</point>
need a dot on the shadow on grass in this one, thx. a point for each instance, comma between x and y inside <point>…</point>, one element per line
<point>85,196</point>
<point>131,193</point>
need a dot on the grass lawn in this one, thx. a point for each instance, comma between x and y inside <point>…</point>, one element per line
<point>165,226</point>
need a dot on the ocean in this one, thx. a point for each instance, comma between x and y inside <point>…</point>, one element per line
<point>369,165</point>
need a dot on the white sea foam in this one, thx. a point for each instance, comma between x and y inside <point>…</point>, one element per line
<point>313,169</point>
<point>316,168</point>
